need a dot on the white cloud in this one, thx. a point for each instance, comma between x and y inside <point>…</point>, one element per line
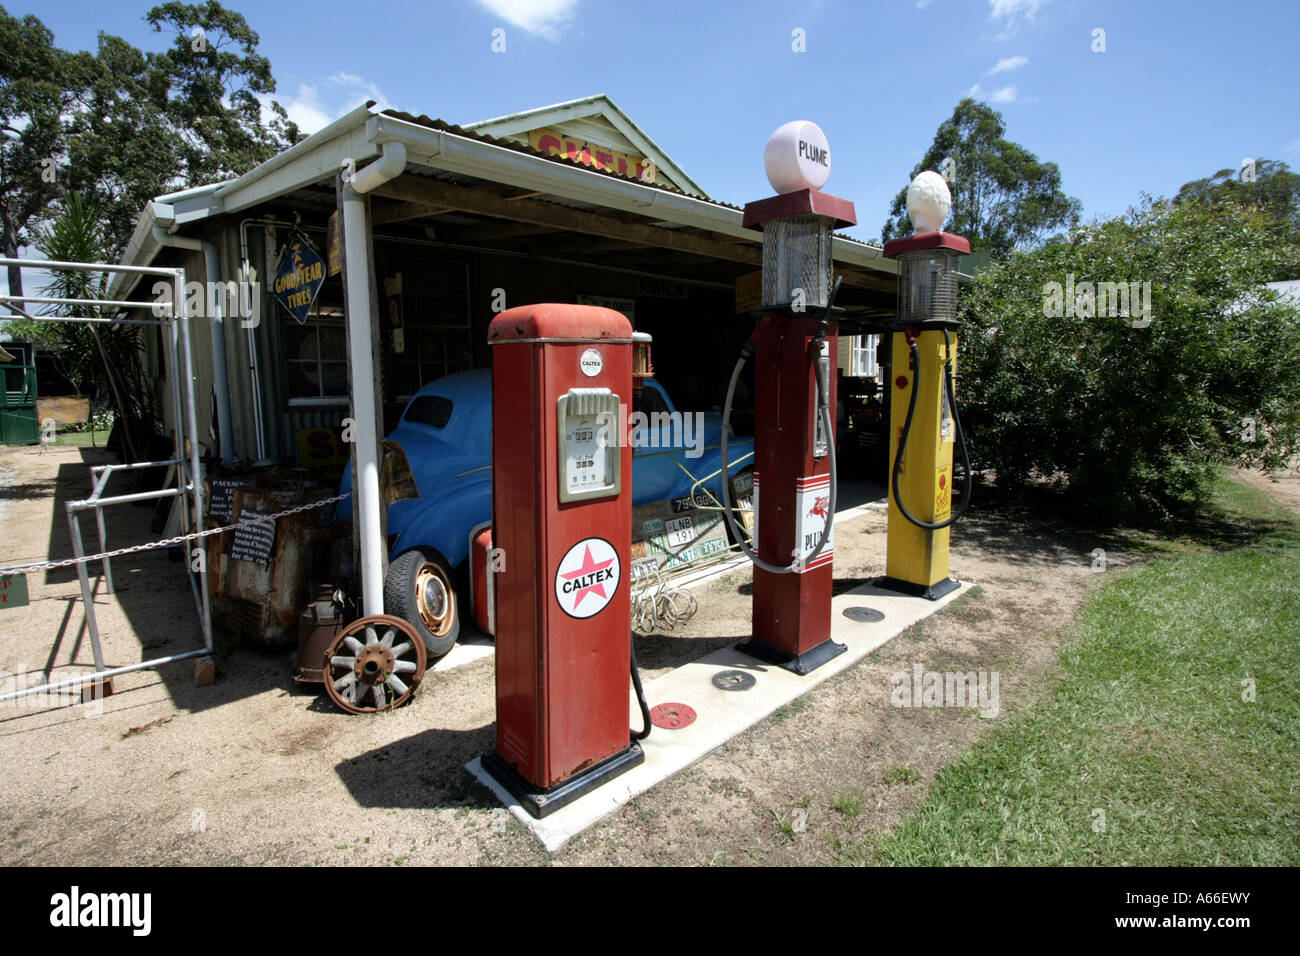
<point>1008,63</point>
<point>922,4</point>
<point>1292,147</point>
<point>316,105</point>
<point>1014,8</point>
<point>1005,94</point>
<point>1012,14</point>
<point>546,18</point>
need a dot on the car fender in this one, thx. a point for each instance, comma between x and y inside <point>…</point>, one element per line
<point>444,524</point>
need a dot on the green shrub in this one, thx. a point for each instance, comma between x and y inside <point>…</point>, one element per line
<point>1132,417</point>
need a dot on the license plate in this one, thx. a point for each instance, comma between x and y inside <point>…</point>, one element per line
<point>680,531</point>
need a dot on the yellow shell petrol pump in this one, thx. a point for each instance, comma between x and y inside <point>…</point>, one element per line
<point>924,424</point>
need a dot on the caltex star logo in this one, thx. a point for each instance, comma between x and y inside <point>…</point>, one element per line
<point>588,580</point>
<point>587,577</point>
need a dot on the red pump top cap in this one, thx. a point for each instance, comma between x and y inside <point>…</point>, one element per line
<point>556,320</point>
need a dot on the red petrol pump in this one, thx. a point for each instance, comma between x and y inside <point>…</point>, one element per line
<point>562,519</point>
<point>794,342</point>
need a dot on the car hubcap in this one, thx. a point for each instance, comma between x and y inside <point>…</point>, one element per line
<point>434,598</point>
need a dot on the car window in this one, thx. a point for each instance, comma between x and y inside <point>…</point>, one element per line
<point>649,400</point>
<point>432,410</point>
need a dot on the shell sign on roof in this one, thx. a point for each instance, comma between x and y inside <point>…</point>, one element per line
<point>577,150</point>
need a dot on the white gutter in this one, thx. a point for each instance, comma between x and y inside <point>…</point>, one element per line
<point>217,325</point>
<point>365,416</point>
<point>181,195</point>
<point>140,250</point>
<point>314,160</point>
<point>390,165</point>
<point>345,122</point>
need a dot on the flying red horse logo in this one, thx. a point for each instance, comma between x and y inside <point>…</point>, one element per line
<point>819,506</point>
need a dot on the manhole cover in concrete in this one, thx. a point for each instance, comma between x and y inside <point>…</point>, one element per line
<point>672,716</point>
<point>733,680</point>
<point>865,615</point>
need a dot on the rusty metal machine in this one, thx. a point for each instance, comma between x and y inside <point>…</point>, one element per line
<point>261,573</point>
<point>372,664</point>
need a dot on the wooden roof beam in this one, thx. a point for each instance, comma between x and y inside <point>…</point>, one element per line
<point>443,196</point>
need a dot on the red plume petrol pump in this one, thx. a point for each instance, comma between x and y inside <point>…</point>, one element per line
<point>562,517</point>
<point>924,424</point>
<point>794,343</point>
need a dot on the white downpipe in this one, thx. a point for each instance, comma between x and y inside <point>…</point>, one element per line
<point>255,385</point>
<point>365,416</point>
<point>216,322</point>
<point>254,375</point>
<point>390,164</point>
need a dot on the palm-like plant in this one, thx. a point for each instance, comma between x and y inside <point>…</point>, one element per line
<point>107,353</point>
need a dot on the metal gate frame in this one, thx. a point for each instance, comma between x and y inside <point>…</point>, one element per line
<point>188,472</point>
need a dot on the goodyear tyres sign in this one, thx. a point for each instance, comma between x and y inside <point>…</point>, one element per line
<point>298,278</point>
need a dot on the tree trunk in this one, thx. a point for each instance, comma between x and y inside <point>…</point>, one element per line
<point>9,246</point>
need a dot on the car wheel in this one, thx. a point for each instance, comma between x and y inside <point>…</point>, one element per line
<point>419,590</point>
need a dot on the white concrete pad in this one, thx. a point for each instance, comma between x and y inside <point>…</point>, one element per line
<point>465,651</point>
<point>722,714</point>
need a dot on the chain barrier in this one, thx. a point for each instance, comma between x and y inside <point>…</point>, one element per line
<point>168,542</point>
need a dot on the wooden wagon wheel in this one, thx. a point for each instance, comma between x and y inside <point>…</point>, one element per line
<point>375,664</point>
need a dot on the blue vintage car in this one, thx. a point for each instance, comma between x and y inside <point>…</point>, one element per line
<point>437,481</point>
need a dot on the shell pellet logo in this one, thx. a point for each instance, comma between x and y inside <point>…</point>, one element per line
<point>943,493</point>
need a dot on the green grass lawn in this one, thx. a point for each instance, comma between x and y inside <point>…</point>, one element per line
<point>1147,749</point>
<point>82,439</point>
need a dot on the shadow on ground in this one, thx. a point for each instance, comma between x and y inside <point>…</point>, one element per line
<point>422,772</point>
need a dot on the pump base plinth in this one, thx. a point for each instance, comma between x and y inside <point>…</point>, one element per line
<point>931,592</point>
<point>800,664</point>
<point>542,801</point>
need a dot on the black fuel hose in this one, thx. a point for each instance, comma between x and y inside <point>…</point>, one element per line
<point>828,425</point>
<point>640,699</point>
<point>907,427</point>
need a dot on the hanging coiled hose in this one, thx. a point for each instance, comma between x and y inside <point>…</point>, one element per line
<point>907,427</point>
<point>828,424</point>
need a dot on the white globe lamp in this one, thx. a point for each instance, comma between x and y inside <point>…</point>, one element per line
<point>928,202</point>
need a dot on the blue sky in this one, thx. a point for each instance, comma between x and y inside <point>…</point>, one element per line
<point>1182,89</point>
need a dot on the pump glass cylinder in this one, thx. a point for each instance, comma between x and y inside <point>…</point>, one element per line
<point>797,256</point>
<point>927,286</point>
